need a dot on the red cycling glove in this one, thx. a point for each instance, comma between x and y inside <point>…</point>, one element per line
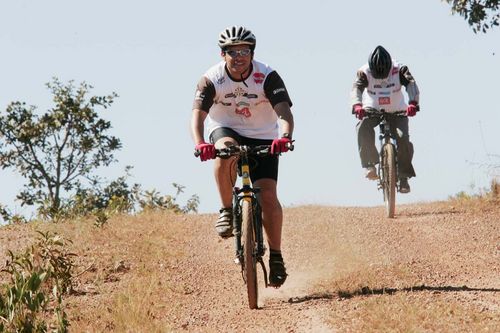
<point>280,145</point>
<point>412,108</point>
<point>206,151</point>
<point>359,111</point>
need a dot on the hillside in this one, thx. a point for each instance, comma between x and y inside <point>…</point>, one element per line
<point>435,267</point>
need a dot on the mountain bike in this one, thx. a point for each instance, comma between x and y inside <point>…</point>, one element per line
<point>388,180</point>
<point>247,219</point>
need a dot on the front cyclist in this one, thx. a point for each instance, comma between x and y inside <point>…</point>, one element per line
<point>245,102</point>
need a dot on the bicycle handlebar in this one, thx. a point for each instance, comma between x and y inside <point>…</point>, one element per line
<point>250,150</point>
<point>377,112</point>
<point>238,150</point>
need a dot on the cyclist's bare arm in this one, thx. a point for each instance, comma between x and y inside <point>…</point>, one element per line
<point>197,125</point>
<point>285,116</point>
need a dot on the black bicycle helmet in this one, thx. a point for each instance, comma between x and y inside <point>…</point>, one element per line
<point>236,35</point>
<point>380,63</point>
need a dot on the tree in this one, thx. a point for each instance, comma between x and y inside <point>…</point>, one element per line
<point>60,148</point>
<point>480,14</point>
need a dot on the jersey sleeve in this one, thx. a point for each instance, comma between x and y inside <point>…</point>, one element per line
<point>205,94</point>
<point>275,89</point>
<point>408,81</point>
<point>358,87</point>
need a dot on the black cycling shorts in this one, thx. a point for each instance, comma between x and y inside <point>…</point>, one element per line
<point>260,166</point>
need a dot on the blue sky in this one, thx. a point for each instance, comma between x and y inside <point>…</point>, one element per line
<point>152,54</point>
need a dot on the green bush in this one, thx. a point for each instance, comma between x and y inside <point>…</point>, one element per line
<point>152,200</point>
<point>37,280</point>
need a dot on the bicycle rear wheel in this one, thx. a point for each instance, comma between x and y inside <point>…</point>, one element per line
<point>389,179</point>
<point>250,267</point>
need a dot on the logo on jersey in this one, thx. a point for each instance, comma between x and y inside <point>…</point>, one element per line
<point>277,91</point>
<point>395,71</point>
<point>239,92</point>
<point>243,109</point>
<point>384,100</point>
<point>244,112</point>
<point>199,95</point>
<point>258,77</point>
<point>250,96</point>
<point>220,80</point>
<point>242,104</point>
<point>384,84</point>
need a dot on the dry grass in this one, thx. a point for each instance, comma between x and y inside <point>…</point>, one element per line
<point>137,249</point>
<point>121,278</point>
<point>371,280</point>
<point>136,308</point>
<point>484,199</point>
<point>390,299</point>
<point>404,312</point>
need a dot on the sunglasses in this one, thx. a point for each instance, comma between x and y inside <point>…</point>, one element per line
<point>241,53</point>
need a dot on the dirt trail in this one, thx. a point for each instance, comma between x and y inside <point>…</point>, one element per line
<point>435,267</point>
<point>339,258</point>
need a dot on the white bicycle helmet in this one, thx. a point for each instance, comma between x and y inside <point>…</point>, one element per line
<point>236,35</point>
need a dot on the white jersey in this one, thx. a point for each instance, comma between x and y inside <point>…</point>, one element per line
<point>242,106</point>
<point>384,93</point>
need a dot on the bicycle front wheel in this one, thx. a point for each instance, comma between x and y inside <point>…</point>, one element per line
<point>250,268</point>
<point>389,179</point>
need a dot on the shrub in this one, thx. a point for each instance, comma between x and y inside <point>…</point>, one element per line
<point>38,278</point>
<point>153,200</point>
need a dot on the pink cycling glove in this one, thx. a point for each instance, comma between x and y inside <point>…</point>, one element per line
<point>206,150</point>
<point>359,111</point>
<point>411,110</point>
<point>280,145</point>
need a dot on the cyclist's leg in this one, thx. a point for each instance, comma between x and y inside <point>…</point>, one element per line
<point>272,212</point>
<point>405,147</point>
<point>221,138</point>
<point>366,142</point>
<point>264,173</point>
<point>272,219</point>
<point>225,177</point>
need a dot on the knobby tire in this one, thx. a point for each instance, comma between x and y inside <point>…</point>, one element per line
<point>389,179</point>
<point>250,268</point>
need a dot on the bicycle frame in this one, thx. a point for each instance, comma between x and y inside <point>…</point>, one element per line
<point>248,193</point>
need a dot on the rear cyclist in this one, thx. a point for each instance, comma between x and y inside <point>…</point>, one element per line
<point>245,102</point>
<point>378,85</point>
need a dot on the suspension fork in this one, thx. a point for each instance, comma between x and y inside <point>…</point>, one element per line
<point>237,225</point>
<point>258,227</point>
<point>251,194</point>
<point>384,138</point>
<point>245,193</point>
